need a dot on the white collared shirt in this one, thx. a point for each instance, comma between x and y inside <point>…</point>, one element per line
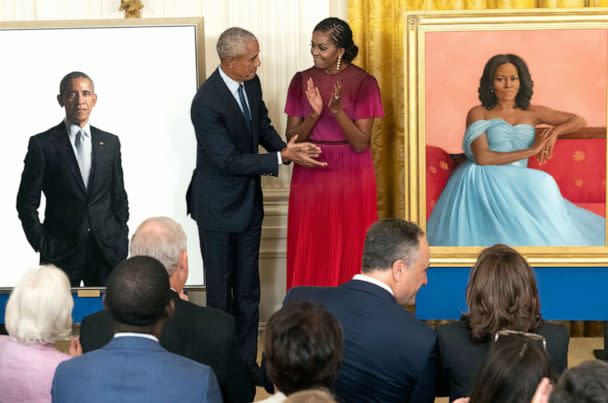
<point>131,334</point>
<point>233,86</point>
<point>368,279</point>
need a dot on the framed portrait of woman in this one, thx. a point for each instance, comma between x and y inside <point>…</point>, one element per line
<point>505,133</point>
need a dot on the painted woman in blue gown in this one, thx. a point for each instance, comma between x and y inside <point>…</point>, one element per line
<point>493,197</point>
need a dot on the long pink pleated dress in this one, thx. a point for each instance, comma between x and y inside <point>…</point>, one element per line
<point>331,208</point>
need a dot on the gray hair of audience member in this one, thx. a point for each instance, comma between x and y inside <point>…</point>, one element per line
<point>511,371</point>
<point>161,238</point>
<point>231,42</point>
<point>39,309</point>
<point>137,291</point>
<point>390,240</point>
<point>303,344</point>
<point>311,396</point>
<point>585,383</point>
<point>70,76</point>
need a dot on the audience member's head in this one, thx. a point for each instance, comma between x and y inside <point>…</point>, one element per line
<point>163,239</point>
<point>396,252</point>
<point>501,294</point>
<point>137,295</point>
<point>511,370</point>
<point>39,309</point>
<point>311,396</point>
<point>303,344</point>
<point>586,383</point>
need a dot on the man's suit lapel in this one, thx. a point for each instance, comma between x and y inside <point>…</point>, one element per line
<point>232,106</point>
<point>63,145</point>
<point>98,158</point>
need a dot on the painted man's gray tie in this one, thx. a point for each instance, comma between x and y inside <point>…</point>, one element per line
<point>83,156</point>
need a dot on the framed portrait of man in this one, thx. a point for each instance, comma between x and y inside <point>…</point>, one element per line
<point>505,126</point>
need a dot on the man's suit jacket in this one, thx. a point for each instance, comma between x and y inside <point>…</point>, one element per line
<point>73,211</point>
<point>461,358</point>
<point>204,335</point>
<point>389,355</point>
<point>134,369</point>
<point>226,182</point>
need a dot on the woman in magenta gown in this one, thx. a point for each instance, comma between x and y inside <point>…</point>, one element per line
<point>332,104</point>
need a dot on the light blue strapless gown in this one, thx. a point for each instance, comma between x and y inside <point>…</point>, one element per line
<point>486,204</point>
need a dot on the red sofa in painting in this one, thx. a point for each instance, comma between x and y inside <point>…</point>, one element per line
<point>578,166</point>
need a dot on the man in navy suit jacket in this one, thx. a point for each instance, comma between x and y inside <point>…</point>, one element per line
<point>134,367</point>
<point>225,196</point>
<point>389,355</point>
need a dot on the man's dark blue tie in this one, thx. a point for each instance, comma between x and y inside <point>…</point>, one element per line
<point>245,107</point>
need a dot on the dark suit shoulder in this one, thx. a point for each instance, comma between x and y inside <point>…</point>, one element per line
<point>47,135</point>
<point>106,136</point>
<point>207,325</point>
<point>452,331</point>
<point>206,313</point>
<point>552,330</point>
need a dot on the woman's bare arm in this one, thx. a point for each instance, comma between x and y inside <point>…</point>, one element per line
<point>561,122</point>
<point>484,156</point>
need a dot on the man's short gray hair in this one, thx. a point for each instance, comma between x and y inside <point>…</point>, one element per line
<point>161,238</point>
<point>232,42</point>
<point>39,310</point>
<point>390,240</point>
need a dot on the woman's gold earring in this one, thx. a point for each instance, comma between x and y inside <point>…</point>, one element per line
<point>338,64</point>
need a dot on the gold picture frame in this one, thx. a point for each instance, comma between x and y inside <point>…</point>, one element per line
<point>423,34</point>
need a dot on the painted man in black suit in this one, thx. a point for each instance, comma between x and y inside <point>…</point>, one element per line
<point>225,196</point>
<point>202,334</point>
<point>78,168</point>
<point>395,353</point>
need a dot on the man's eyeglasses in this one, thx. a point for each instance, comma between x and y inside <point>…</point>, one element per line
<point>532,336</point>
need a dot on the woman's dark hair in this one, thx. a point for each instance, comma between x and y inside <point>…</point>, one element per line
<point>486,83</point>
<point>303,344</point>
<point>501,294</point>
<point>511,371</point>
<point>586,383</point>
<point>341,35</point>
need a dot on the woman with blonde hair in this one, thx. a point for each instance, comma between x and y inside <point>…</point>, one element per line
<point>38,313</point>
<point>501,295</point>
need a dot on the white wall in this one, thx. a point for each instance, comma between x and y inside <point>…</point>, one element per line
<point>283,28</point>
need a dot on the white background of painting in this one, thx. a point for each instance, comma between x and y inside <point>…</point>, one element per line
<point>145,78</point>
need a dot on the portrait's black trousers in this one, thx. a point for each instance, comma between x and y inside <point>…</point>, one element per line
<point>89,265</point>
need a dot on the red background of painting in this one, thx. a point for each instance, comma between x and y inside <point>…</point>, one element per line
<point>568,68</point>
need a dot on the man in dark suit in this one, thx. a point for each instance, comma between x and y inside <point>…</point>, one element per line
<point>133,367</point>
<point>78,168</point>
<point>389,356</point>
<point>202,334</point>
<point>225,196</point>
